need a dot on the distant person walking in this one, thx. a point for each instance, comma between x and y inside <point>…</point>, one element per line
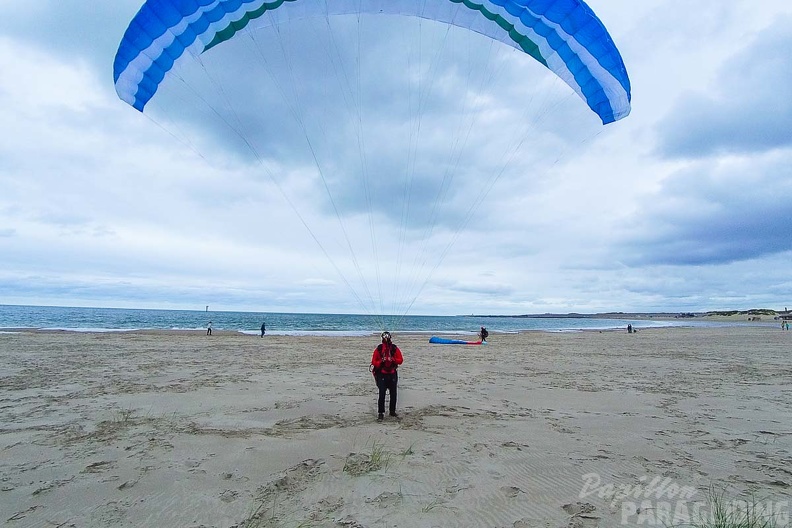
<point>209,328</point>
<point>386,359</point>
<point>483,334</point>
<point>263,329</point>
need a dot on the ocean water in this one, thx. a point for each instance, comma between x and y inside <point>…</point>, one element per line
<point>121,319</point>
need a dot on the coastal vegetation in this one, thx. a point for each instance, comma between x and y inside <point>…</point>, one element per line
<point>721,313</point>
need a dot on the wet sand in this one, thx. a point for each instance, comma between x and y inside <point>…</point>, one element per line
<point>531,430</point>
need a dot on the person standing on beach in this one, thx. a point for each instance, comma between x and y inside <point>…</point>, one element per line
<point>385,361</point>
<point>263,329</point>
<point>209,328</point>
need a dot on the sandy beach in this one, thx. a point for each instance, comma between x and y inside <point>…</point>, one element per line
<point>585,429</point>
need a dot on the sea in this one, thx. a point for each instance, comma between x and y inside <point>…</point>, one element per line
<point>14,317</point>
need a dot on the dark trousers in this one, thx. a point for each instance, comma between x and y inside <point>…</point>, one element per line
<point>387,382</point>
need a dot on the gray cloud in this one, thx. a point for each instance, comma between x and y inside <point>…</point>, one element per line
<point>363,133</point>
<point>748,109</point>
<point>711,215</point>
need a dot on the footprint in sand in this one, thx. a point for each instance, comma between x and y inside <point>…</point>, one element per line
<point>98,467</point>
<point>511,491</point>
<point>229,496</point>
<point>582,515</point>
<point>514,445</point>
<point>330,504</point>
<point>349,522</point>
<point>529,523</point>
<point>386,499</point>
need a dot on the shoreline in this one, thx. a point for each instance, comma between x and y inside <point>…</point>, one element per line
<point>664,322</point>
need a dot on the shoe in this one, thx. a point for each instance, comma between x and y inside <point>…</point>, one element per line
<point>380,416</point>
<point>394,415</point>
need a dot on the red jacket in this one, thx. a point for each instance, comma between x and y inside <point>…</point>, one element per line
<point>387,357</point>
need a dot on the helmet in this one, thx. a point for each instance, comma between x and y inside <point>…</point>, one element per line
<point>386,336</point>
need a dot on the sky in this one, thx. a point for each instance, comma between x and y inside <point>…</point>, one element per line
<point>390,165</point>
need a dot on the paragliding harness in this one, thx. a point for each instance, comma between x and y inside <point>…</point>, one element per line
<point>377,372</point>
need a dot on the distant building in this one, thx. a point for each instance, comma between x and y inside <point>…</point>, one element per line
<point>786,315</point>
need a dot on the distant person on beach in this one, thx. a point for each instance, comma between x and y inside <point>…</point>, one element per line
<point>263,329</point>
<point>629,329</point>
<point>385,361</point>
<point>483,334</point>
<point>209,328</point>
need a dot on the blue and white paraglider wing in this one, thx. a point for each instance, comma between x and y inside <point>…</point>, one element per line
<point>564,35</point>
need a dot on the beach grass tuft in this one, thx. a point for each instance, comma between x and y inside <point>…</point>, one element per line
<point>379,458</point>
<point>733,513</point>
<point>123,416</point>
<point>426,508</point>
<point>408,451</point>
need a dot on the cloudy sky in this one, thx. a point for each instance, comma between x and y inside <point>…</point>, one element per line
<point>391,165</point>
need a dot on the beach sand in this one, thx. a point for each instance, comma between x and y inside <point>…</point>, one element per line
<point>532,430</point>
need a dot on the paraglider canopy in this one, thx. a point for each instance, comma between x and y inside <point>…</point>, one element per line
<point>564,35</point>
<point>219,67</point>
